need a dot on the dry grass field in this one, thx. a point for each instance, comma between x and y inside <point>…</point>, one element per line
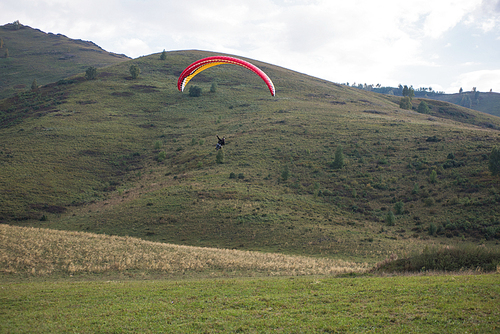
<point>42,252</point>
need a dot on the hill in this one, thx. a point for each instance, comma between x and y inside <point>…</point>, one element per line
<point>486,102</point>
<point>136,158</point>
<point>27,54</point>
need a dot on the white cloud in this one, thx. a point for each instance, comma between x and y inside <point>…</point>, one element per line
<point>483,80</point>
<point>358,40</point>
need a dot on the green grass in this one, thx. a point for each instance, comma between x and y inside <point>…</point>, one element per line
<point>446,259</point>
<point>423,304</point>
<point>91,163</point>
<point>47,58</point>
<point>487,102</point>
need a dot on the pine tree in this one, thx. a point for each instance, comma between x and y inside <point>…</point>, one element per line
<point>163,55</point>
<point>34,85</point>
<point>338,163</point>
<point>494,164</point>
<point>390,219</point>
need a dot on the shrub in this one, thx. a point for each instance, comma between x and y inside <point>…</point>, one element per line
<point>390,219</point>
<point>338,163</point>
<point>494,164</point>
<point>134,71</point>
<point>398,208</point>
<point>432,229</point>
<point>162,156</point>
<point>34,85</point>
<point>405,103</point>
<point>232,175</point>
<point>213,88</point>
<point>194,91</point>
<point>447,259</point>
<point>219,158</point>
<point>433,177</point>
<point>163,55</point>
<point>91,73</point>
<point>429,201</point>
<point>423,108</point>
<point>285,173</point>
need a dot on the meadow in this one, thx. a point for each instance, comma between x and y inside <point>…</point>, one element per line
<point>417,304</point>
<point>117,179</point>
<point>131,157</point>
<point>59,281</point>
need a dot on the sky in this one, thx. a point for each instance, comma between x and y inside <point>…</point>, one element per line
<point>442,44</point>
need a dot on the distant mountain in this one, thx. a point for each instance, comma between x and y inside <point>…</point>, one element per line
<point>486,102</point>
<point>27,54</point>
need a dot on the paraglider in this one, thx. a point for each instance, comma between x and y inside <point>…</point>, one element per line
<point>221,142</point>
<point>202,64</point>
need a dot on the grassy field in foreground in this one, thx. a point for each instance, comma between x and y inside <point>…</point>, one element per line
<point>33,252</point>
<point>418,304</point>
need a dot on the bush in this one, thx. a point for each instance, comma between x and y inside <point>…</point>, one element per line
<point>432,229</point>
<point>219,158</point>
<point>91,73</point>
<point>423,108</point>
<point>34,85</point>
<point>285,173</point>
<point>433,177</point>
<point>390,219</point>
<point>134,71</point>
<point>338,163</point>
<point>213,88</point>
<point>232,175</point>
<point>399,208</point>
<point>194,91</point>
<point>163,55</point>
<point>405,103</point>
<point>494,164</point>
<point>446,259</point>
<point>162,156</point>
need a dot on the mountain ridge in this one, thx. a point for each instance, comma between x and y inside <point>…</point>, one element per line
<point>28,54</point>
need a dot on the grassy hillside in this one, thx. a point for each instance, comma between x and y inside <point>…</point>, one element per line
<point>33,54</point>
<point>485,102</point>
<point>136,158</point>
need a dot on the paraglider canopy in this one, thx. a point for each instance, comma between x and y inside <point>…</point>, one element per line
<point>202,64</point>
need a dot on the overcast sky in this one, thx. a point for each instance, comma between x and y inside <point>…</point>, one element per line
<point>443,44</point>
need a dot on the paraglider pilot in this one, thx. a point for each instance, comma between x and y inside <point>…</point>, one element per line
<point>222,142</point>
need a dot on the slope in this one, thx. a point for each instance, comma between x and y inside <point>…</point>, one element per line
<point>27,54</point>
<point>136,157</point>
<point>485,102</point>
